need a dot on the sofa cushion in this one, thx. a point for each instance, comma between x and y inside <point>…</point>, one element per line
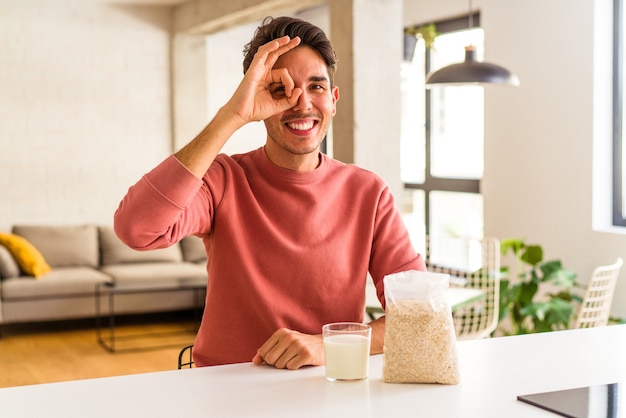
<point>30,260</point>
<point>63,246</point>
<point>114,251</point>
<point>155,272</point>
<point>61,281</point>
<point>193,249</point>
<point>8,264</point>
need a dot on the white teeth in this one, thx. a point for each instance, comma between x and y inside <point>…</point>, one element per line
<point>301,126</point>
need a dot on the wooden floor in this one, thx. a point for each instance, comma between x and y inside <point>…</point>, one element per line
<point>61,351</point>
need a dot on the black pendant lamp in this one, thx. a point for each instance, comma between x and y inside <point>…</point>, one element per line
<point>471,72</point>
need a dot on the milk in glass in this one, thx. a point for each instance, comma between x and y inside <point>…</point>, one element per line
<point>346,351</point>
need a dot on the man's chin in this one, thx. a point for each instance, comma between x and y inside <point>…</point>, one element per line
<point>303,148</point>
<point>304,151</point>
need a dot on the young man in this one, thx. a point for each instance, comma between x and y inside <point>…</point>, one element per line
<point>290,233</point>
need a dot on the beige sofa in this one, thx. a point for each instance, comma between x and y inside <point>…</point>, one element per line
<point>83,256</point>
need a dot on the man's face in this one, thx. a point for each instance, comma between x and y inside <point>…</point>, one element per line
<point>301,129</point>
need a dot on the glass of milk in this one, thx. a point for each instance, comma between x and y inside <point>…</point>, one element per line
<point>346,350</point>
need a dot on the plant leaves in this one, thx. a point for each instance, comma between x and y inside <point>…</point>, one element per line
<point>550,267</point>
<point>517,294</point>
<point>532,254</point>
<point>511,244</point>
<point>524,292</point>
<point>563,277</point>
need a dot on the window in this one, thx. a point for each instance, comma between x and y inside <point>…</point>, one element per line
<point>619,173</point>
<point>442,140</point>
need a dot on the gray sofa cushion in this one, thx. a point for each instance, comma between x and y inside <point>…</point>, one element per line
<point>155,272</point>
<point>8,265</point>
<point>115,251</point>
<point>61,281</point>
<point>63,246</point>
<point>193,249</point>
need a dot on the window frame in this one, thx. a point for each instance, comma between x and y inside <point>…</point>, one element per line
<point>618,132</point>
<point>432,183</point>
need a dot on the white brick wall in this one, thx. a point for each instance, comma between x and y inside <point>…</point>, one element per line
<point>84,107</point>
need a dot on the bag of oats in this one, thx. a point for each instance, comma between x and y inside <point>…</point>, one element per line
<point>420,342</point>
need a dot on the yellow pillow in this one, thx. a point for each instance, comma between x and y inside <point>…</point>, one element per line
<point>27,256</point>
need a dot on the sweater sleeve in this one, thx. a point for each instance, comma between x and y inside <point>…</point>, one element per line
<point>162,207</point>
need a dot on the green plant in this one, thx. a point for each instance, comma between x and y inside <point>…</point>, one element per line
<point>529,310</point>
<point>427,32</point>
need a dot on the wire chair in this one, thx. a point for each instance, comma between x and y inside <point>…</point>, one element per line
<point>473,263</point>
<point>596,305</point>
<point>185,357</point>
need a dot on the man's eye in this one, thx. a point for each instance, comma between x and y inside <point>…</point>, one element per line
<point>278,91</point>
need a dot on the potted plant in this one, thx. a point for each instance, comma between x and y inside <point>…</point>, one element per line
<point>426,32</point>
<point>528,309</point>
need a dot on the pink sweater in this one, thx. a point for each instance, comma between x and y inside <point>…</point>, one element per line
<point>285,249</point>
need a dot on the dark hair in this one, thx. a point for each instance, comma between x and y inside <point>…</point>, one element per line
<point>310,35</point>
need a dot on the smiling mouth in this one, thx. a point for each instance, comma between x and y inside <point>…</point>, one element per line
<point>301,126</point>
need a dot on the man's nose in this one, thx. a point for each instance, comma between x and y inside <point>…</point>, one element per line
<point>304,102</point>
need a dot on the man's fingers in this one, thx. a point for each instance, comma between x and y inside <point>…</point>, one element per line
<point>281,77</point>
<point>293,42</point>
<point>276,350</point>
<point>288,349</point>
<point>293,99</point>
<point>269,53</point>
<point>280,45</point>
<point>273,350</point>
<point>263,351</point>
<point>258,359</point>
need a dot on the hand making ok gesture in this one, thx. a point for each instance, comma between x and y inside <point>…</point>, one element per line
<point>253,101</point>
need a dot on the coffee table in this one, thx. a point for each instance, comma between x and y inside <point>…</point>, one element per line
<point>109,291</point>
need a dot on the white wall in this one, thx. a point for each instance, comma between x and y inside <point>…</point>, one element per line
<point>84,107</point>
<point>225,74</point>
<point>543,139</point>
<point>377,94</point>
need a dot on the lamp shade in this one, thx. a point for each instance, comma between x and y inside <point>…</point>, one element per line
<point>471,72</point>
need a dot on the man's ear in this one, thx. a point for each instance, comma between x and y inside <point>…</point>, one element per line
<point>335,94</point>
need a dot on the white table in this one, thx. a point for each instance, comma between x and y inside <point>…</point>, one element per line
<point>493,372</point>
